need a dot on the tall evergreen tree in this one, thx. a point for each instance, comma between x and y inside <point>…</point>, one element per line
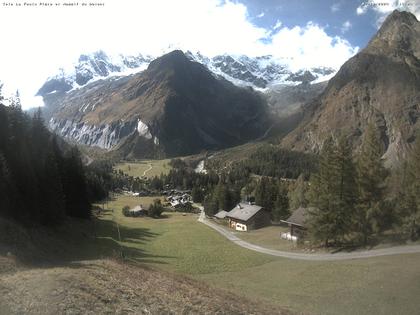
<point>333,193</point>
<point>7,191</point>
<point>281,205</point>
<point>197,193</point>
<point>411,194</point>
<point>297,193</point>
<point>371,175</point>
<point>266,193</point>
<point>321,223</point>
<point>74,184</point>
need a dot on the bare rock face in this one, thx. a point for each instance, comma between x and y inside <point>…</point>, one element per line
<point>176,106</point>
<point>381,84</point>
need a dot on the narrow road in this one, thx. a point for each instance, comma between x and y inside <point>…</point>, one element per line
<point>398,250</point>
<point>149,169</point>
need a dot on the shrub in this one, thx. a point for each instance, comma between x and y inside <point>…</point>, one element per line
<point>156,209</point>
<point>126,211</point>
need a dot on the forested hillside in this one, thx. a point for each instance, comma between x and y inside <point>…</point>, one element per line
<point>39,181</point>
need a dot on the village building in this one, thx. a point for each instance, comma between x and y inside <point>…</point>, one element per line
<point>179,199</point>
<point>245,217</point>
<point>221,215</point>
<point>138,211</point>
<point>297,224</point>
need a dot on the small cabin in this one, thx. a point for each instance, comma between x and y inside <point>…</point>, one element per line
<point>297,224</point>
<point>221,215</point>
<point>245,217</point>
<point>138,211</point>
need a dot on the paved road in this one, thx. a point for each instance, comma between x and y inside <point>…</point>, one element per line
<point>314,257</point>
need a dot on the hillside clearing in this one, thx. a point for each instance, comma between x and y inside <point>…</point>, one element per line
<point>147,168</point>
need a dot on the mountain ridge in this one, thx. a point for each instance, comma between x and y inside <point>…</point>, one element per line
<point>176,106</point>
<point>380,84</point>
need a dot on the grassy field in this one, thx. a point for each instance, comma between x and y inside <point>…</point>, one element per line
<point>178,243</point>
<point>151,167</point>
<point>269,237</point>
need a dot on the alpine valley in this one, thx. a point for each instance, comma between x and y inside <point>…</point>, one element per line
<point>180,183</point>
<point>183,103</point>
<point>177,104</point>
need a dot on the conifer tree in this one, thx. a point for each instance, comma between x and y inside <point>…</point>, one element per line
<point>281,205</point>
<point>266,193</point>
<point>333,193</point>
<point>321,225</point>
<point>7,193</point>
<point>411,194</point>
<point>196,193</point>
<point>297,194</point>
<point>371,175</point>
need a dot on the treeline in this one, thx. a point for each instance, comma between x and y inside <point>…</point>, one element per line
<point>276,162</point>
<point>355,198</point>
<point>270,193</point>
<point>266,177</point>
<point>42,179</point>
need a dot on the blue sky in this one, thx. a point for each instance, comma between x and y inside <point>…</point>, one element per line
<point>337,17</point>
<point>300,33</point>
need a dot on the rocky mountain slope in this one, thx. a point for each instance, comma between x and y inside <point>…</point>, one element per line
<point>175,107</point>
<point>381,84</point>
<point>286,100</point>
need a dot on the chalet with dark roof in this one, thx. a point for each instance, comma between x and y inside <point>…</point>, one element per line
<point>297,222</point>
<point>245,217</point>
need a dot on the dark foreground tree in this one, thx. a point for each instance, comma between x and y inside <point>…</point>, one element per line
<point>371,216</point>
<point>410,201</point>
<point>333,193</point>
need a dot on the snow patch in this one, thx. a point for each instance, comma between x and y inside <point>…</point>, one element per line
<point>143,130</point>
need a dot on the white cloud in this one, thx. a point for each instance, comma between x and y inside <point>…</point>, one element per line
<point>41,40</point>
<point>260,15</point>
<point>384,7</point>
<point>311,46</point>
<point>336,7</point>
<point>361,10</point>
<point>346,26</point>
<point>277,25</point>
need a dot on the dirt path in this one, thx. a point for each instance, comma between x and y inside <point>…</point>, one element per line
<point>149,169</point>
<point>398,250</point>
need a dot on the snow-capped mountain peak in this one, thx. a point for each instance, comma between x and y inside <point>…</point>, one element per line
<point>258,72</point>
<point>91,67</point>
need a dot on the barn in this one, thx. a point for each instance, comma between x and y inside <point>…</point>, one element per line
<point>245,217</point>
<point>297,224</point>
<point>138,211</point>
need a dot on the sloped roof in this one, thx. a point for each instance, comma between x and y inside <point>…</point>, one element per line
<point>298,217</point>
<point>137,208</point>
<point>243,211</point>
<point>221,214</point>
